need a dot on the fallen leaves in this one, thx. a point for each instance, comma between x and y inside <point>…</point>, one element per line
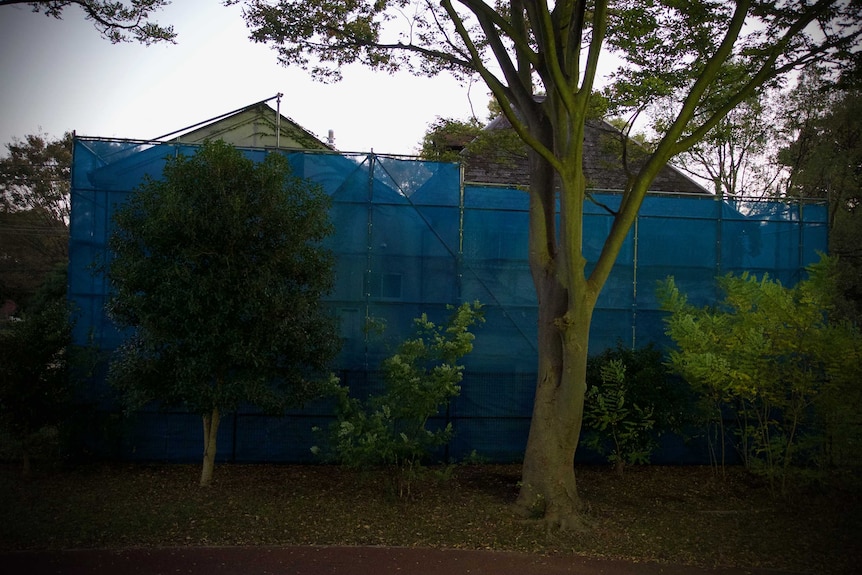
<point>650,514</point>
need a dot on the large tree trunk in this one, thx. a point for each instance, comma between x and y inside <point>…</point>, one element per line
<point>565,302</point>
<point>210,433</point>
<point>548,485</point>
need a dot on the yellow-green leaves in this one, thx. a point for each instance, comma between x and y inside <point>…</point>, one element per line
<point>770,358</point>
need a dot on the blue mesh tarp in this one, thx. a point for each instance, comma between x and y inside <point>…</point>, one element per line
<point>411,238</point>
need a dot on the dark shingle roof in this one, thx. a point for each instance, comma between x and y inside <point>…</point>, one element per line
<point>603,164</point>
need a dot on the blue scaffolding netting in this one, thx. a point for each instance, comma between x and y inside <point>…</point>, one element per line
<point>411,238</point>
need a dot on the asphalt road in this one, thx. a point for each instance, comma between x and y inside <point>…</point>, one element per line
<point>328,560</point>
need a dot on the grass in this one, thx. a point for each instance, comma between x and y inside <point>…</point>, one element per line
<point>678,515</point>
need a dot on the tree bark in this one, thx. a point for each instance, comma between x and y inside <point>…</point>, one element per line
<point>548,486</point>
<point>211,423</point>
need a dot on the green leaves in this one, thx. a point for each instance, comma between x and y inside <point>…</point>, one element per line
<point>117,21</point>
<point>619,428</point>
<point>392,429</point>
<point>34,212</point>
<point>218,267</point>
<point>771,356</point>
<point>322,36</point>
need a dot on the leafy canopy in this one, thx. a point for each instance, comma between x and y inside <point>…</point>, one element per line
<point>523,48</point>
<point>116,21</point>
<point>34,212</point>
<point>219,269</point>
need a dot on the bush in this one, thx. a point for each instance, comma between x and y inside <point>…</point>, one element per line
<point>651,384</point>
<point>392,429</point>
<point>771,357</point>
<point>36,391</point>
<point>631,391</point>
<point>619,428</point>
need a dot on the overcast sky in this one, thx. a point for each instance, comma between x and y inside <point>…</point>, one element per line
<point>61,75</point>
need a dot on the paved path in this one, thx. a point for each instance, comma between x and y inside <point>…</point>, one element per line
<point>326,561</point>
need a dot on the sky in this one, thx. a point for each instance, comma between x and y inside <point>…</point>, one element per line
<point>61,75</point>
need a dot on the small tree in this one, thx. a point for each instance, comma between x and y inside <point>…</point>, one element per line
<point>618,428</point>
<point>391,429</point>
<point>34,212</point>
<point>770,356</point>
<point>218,267</point>
<point>632,400</point>
<point>35,384</point>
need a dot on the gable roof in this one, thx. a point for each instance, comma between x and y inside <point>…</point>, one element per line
<point>603,164</point>
<point>253,126</point>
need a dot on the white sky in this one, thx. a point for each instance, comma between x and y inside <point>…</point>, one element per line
<point>61,75</point>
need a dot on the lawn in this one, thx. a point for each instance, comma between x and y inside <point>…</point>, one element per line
<point>672,514</point>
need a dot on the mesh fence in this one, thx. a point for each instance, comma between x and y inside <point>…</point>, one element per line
<point>412,238</point>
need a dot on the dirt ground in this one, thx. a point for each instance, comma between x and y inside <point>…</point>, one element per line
<point>329,560</point>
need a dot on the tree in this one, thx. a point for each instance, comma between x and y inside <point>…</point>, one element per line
<point>733,155</point>
<point>451,140</point>
<point>521,49</point>
<point>35,382</point>
<point>218,267</point>
<point>34,212</point>
<point>824,159</point>
<point>115,21</point>
<point>446,137</point>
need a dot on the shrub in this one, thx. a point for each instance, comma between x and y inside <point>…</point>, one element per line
<point>392,429</point>
<point>648,390</point>
<point>619,428</point>
<point>770,357</point>
<point>36,390</point>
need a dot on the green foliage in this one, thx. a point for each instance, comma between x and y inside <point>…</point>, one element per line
<point>392,429</point>
<point>823,160</point>
<point>450,140</point>
<point>36,390</point>
<point>647,387</point>
<point>115,21</point>
<point>769,357</point>
<point>620,428</point>
<point>34,211</point>
<point>219,269</point>
<point>446,137</point>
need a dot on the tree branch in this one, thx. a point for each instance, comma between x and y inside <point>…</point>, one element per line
<point>765,72</point>
<point>504,94</point>
<point>113,19</point>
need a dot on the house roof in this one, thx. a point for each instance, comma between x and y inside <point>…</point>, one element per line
<point>603,164</point>
<point>254,126</point>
